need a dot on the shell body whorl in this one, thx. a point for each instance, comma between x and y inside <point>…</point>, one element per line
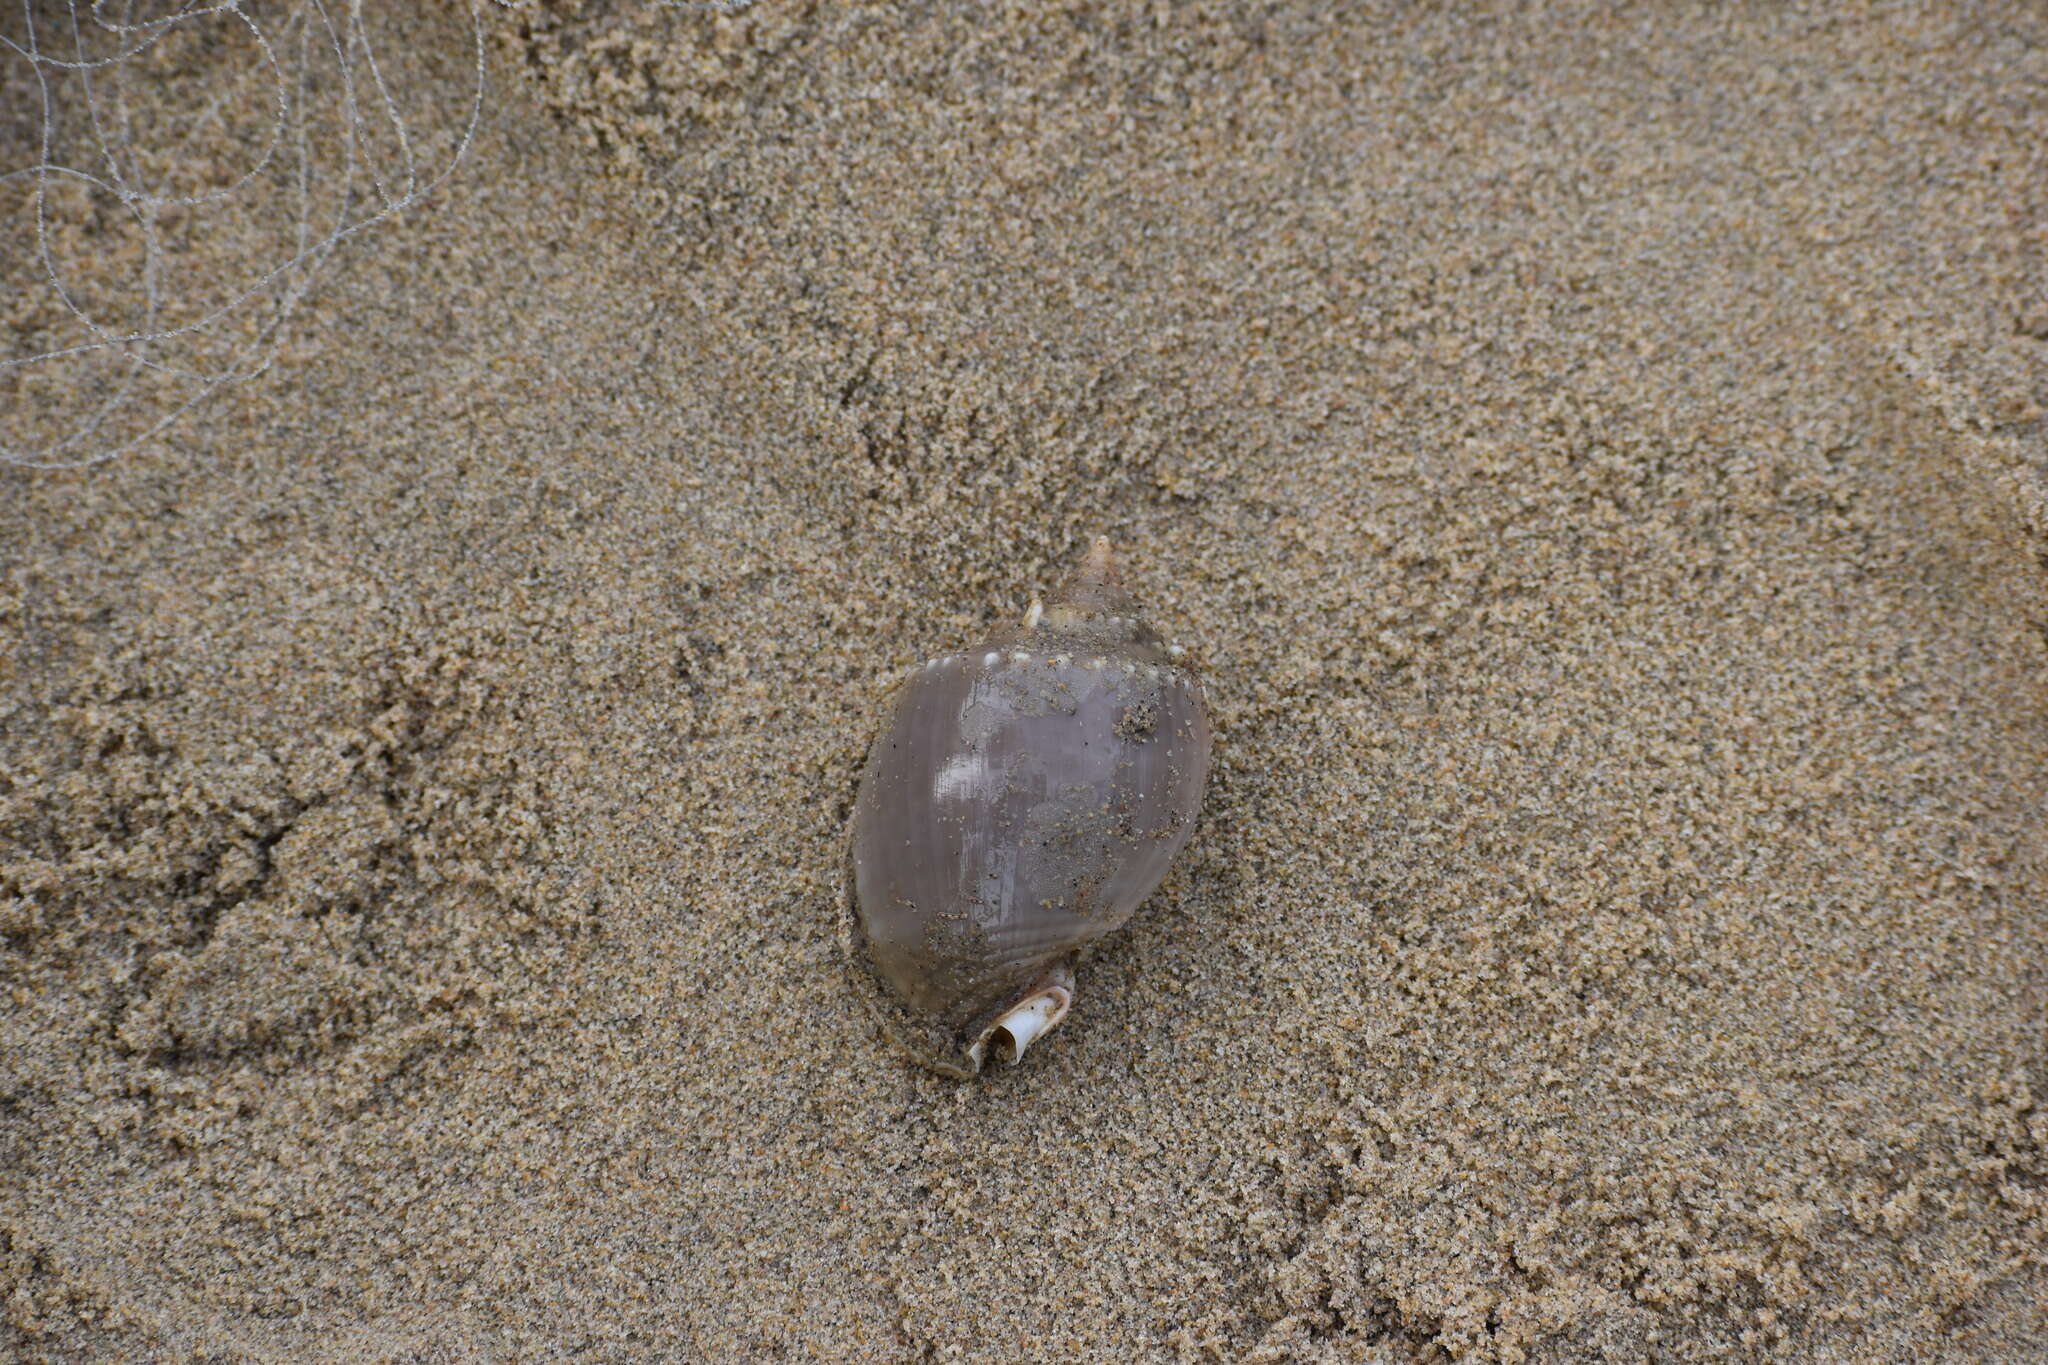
<point>1020,801</point>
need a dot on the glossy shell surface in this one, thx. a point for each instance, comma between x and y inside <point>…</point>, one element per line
<point>1021,800</point>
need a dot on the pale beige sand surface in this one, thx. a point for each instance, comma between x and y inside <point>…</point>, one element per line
<point>1599,461</point>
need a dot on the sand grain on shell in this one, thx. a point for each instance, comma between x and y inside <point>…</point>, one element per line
<point>1598,462</point>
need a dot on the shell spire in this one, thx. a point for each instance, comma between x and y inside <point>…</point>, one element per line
<point>1097,582</point>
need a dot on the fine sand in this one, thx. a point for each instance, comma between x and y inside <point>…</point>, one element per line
<point>1600,464</point>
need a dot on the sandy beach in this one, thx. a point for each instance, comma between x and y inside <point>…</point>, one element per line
<point>1599,462</point>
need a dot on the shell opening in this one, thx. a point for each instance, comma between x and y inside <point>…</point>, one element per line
<point>1040,1014</point>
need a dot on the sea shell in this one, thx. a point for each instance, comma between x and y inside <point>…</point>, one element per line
<point>1023,797</point>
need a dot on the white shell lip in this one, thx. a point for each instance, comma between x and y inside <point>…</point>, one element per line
<point>1040,1014</point>
<point>1031,1018</point>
